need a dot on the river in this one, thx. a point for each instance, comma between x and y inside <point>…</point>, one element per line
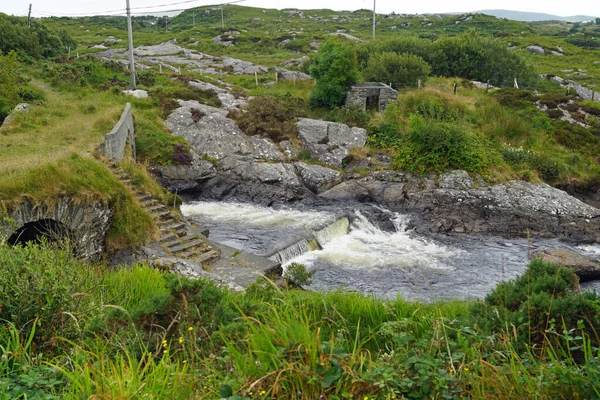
<point>371,261</point>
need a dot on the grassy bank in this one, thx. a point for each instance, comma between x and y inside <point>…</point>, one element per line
<point>138,332</point>
<point>51,150</point>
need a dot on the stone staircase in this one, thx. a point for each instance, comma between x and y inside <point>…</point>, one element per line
<point>175,236</point>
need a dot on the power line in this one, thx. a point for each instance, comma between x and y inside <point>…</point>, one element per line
<point>122,11</point>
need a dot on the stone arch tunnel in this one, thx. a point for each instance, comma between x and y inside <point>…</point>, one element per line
<point>34,231</point>
<point>84,224</point>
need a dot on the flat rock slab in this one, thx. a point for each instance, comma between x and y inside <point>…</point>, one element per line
<point>241,268</point>
<point>584,267</point>
<point>168,54</point>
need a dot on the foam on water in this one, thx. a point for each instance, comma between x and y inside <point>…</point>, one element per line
<point>251,214</point>
<point>367,246</point>
<point>592,249</point>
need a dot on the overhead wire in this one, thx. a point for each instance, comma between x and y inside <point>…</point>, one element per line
<point>122,11</point>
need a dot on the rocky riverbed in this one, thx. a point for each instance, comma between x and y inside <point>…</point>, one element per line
<point>229,165</point>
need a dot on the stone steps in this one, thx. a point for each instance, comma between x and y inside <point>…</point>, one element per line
<point>174,235</point>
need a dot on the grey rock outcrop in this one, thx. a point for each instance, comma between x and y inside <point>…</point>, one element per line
<point>214,134</point>
<point>346,36</point>
<point>287,75</point>
<point>172,56</point>
<point>246,168</point>
<point>329,142</point>
<point>581,91</point>
<point>536,49</point>
<point>511,209</point>
<point>181,178</point>
<point>21,107</point>
<point>317,178</point>
<point>295,61</point>
<point>457,203</point>
<point>228,100</point>
<point>224,40</point>
<point>584,267</point>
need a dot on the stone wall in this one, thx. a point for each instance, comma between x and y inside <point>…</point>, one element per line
<point>358,94</point>
<point>85,224</point>
<point>120,136</point>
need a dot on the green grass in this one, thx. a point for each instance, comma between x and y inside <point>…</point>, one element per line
<point>139,332</point>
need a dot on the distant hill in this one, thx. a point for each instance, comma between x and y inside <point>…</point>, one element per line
<point>531,16</point>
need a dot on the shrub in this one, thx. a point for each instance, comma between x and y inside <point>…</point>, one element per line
<point>514,98</point>
<point>545,298</point>
<point>297,274</point>
<point>351,116</point>
<point>334,69</point>
<point>383,134</point>
<point>412,45</point>
<point>434,145</point>
<point>272,116</point>
<point>477,57</point>
<point>401,70</point>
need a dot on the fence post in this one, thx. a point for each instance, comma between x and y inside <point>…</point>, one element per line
<point>454,88</point>
<point>256,77</point>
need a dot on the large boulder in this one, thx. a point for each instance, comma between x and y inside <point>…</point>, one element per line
<point>244,179</point>
<point>329,142</point>
<point>185,178</point>
<point>584,267</point>
<point>208,130</point>
<point>287,75</point>
<point>317,178</point>
<point>536,49</point>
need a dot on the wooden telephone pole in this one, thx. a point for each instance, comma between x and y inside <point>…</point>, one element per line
<point>29,17</point>
<point>132,84</point>
<point>374,18</point>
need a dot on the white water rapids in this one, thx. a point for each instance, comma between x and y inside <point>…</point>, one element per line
<point>369,260</point>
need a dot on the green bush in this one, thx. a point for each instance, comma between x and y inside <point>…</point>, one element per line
<point>401,70</point>
<point>86,71</point>
<point>34,42</point>
<point>297,274</point>
<point>540,301</point>
<point>383,134</point>
<point>477,57</point>
<point>412,45</point>
<point>334,69</point>
<point>351,116</point>
<point>438,146</point>
<point>272,116</point>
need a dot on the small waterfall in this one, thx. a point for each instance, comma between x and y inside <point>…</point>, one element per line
<point>332,231</point>
<point>293,251</point>
<point>316,240</point>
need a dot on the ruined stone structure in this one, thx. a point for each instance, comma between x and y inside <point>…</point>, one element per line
<point>121,136</point>
<point>370,95</point>
<point>84,225</point>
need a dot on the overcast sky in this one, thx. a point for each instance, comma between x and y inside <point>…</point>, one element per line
<point>76,7</point>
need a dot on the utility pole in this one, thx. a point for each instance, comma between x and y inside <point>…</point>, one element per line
<point>29,17</point>
<point>132,84</point>
<point>222,17</point>
<point>194,19</point>
<point>166,23</point>
<point>374,17</point>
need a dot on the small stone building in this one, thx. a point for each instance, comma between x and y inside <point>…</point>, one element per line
<point>370,95</point>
